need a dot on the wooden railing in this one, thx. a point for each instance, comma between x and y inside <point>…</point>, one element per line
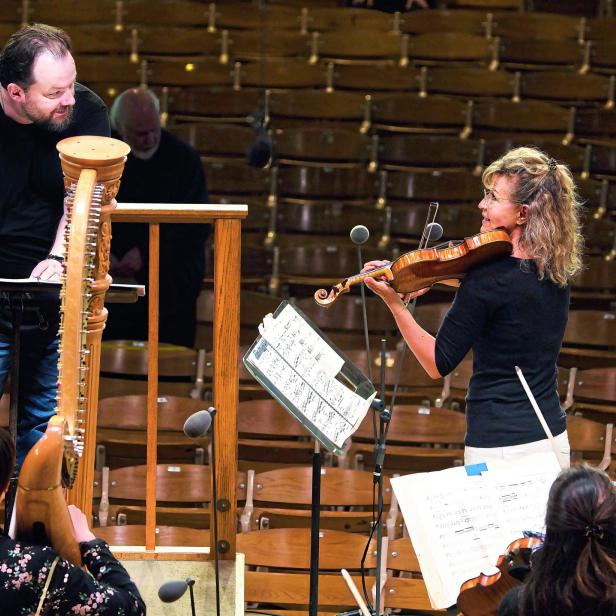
<point>227,244</point>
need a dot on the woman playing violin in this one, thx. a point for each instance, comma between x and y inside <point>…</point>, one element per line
<point>574,574</point>
<point>509,311</point>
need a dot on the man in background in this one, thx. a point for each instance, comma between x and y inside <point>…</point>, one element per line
<point>160,169</point>
<point>41,105</point>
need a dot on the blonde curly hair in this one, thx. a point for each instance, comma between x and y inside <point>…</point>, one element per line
<point>552,234</point>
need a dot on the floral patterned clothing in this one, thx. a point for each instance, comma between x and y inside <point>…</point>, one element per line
<point>105,589</point>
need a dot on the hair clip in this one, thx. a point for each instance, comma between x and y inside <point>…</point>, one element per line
<point>552,165</point>
<point>593,531</point>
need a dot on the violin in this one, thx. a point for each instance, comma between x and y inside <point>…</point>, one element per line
<point>481,595</point>
<point>422,268</point>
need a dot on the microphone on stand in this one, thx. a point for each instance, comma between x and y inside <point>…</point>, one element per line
<point>359,235</point>
<point>433,232</point>
<point>259,152</point>
<point>174,589</point>
<point>197,426</point>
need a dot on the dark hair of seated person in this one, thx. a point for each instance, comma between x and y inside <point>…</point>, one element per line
<point>574,574</point>
<point>7,459</point>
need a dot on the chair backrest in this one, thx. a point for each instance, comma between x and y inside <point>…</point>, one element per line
<point>339,487</point>
<point>418,424</point>
<point>134,534</point>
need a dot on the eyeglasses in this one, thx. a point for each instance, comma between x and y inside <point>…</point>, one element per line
<point>488,195</point>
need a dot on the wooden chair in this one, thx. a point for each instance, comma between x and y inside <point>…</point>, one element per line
<point>594,394</point>
<point>234,16</point>
<point>529,119</point>
<point>595,125</point>
<point>460,20</point>
<point>457,187</point>
<point>437,115</point>
<point>590,339</point>
<point>326,19</point>
<point>298,107</point>
<point>191,73</point>
<point>182,494</point>
<point>467,82</point>
<point>256,45</point>
<point>351,183</point>
<point>420,439</point>
<point>591,441</point>
<point>163,42</point>
<point>281,498</point>
<point>281,549</point>
<point>537,25</point>
<point>537,54</point>
<point>216,141</point>
<point>172,536</point>
<point>600,57</point>
<point>253,307</point>
<point>121,431</point>
<point>483,5</point>
<point>324,145</point>
<point>358,46</point>
<point>458,48</point>
<point>585,8</point>
<point>105,69</point>
<point>373,79</point>
<point>567,88</point>
<point>433,152</point>
<point>283,74</point>
<point>602,161</point>
<point>72,12</point>
<point>98,39</point>
<point>182,13</point>
<point>204,105</point>
<point>573,155</point>
<point>234,178</point>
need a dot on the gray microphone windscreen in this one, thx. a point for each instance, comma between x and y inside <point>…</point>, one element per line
<point>434,232</point>
<point>359,234</point>
<point>197,424</point>
<point>171,591</point>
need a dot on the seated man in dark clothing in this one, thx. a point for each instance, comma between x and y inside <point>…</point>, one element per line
<point>160,169</point>
<point>35,580</point>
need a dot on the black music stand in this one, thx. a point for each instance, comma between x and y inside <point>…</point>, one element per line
<point>17,293</point>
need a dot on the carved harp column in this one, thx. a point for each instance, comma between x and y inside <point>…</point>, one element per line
<point>106,157</point>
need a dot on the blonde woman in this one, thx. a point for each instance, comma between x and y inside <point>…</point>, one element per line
<point>510,311</point>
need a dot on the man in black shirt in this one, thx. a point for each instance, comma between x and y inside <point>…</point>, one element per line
<point>160,169</point>
<point>41,105</point>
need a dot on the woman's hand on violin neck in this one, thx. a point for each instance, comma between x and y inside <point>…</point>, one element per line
<point>385,291</point>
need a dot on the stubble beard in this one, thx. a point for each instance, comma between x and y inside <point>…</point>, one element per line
<point>47,122</point>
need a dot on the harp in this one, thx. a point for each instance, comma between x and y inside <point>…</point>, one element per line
<point>63,458</point>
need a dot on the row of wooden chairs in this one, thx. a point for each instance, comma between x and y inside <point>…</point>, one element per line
<point>496,17</point>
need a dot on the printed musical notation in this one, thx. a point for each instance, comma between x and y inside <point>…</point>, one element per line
<point>303,367</point>
<point>460,524</point>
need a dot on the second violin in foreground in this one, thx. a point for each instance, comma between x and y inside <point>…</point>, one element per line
<point>420,269</point>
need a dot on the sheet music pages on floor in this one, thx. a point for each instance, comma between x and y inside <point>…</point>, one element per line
<point>298,366</point>
<point>461,519</point>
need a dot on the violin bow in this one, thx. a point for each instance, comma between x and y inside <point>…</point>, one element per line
<point>563,461</point>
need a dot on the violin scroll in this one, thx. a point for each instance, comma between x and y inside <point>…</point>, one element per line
<point>326,298</point>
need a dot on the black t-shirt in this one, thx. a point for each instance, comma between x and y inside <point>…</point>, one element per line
<point>31,184</point>
<point>174,175</point>
<point>508,317</point>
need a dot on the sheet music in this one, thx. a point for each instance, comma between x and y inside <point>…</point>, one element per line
<point>303,367</point>
<point>460,524</point>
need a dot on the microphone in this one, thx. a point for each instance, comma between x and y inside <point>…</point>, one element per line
<point>433,232</point>
<point>171,591</point>
<point>196,426</point>
<point>174,589</point>
<point>259,152</point>
<point>198,423</point>
<point>359,234</point>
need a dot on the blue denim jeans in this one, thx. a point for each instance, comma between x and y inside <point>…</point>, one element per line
<point>38,373</point>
